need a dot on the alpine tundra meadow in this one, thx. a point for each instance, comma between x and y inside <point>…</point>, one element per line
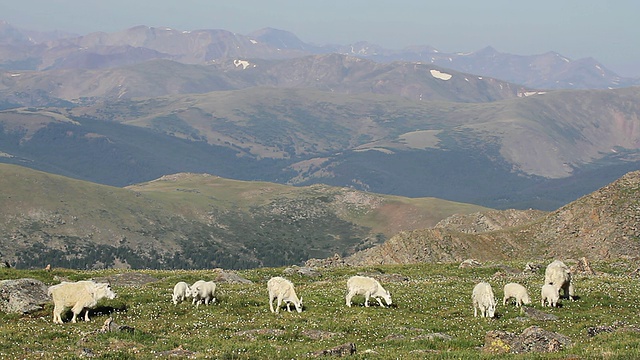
<point>431,316</point>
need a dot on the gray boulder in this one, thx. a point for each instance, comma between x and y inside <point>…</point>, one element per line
<point>22,296</point>
<point>230,278</point>
<point>532,339</point>
<point>302,271</point>
<point>469,263</point>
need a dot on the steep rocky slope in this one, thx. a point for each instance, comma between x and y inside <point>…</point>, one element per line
<point>601,225</point>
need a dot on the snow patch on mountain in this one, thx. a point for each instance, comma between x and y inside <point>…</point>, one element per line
<point>244,63</point>
<point>440,75</point>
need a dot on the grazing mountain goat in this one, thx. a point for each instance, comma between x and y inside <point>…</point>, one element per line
<point>369,287</point>
<point>559,275</point>
<point>203,292</point>
<point>181,292</point>
<point>518,292</point>
<point>549,295</point>
<point>192,290</point>
<point>484,300</point>
<point>78,296</point>
<point>282,289</point>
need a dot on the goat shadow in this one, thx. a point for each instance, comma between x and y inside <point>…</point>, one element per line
<point>97,311</point>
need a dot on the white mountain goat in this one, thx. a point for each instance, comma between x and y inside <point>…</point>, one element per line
<point>369,287</point>
<point>181,292</point>
<point>559,275</point>
<point>282,289</point>
<point>549,295</point>
<point>518,292</point>
<point>78,296</point>
<point>483,299</point>
<point>203,292</point>
<point>192,290</point>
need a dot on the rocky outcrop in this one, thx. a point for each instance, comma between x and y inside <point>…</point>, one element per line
<point>601,225</point>
<point>489,221</point>
<point>532,339</point>
<point>22,295</point>
<point>301,271</point>
<point>616,326</point>
<point>335,260</point>
<point>230,278</point>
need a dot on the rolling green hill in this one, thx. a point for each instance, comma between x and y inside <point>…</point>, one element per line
<point>194,221</point>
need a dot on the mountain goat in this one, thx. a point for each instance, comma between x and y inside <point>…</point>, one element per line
<point>518,292</point>
<point>483,299</point>
<point>282,289</point>
<point>192,290</point>
<point>203,292</point>
<point>549,295</point>
<point>369,287</point>
<point>181,292</point>
<point>559,275</point>
<point>78,296</point>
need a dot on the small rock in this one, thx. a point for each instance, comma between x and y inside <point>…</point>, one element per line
<point>341,350</point>
<point>617,325</point>
<point>434,336</point>
<point>532,268</point>
<point>318,334</point>
<point>111,326</point>
<point>178,352</point>
<point>394,337</point>
<point>86,352</point>
<point>304,271</point>
<point>469,263</point>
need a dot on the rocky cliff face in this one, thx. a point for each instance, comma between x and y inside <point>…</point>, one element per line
<point>604,224</point>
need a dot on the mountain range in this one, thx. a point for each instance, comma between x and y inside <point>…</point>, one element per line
<point>154,147</point>
<point>28,50</point>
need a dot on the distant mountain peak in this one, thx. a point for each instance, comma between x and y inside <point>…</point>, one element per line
<point>487,50</point>
<point>278,38</point>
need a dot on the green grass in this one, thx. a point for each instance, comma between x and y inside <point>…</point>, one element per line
<point>434,299</point>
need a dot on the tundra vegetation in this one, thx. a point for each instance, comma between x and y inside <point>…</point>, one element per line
<point>428,299</point>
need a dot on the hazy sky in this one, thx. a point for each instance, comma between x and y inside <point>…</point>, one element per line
<point>606,30</point>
